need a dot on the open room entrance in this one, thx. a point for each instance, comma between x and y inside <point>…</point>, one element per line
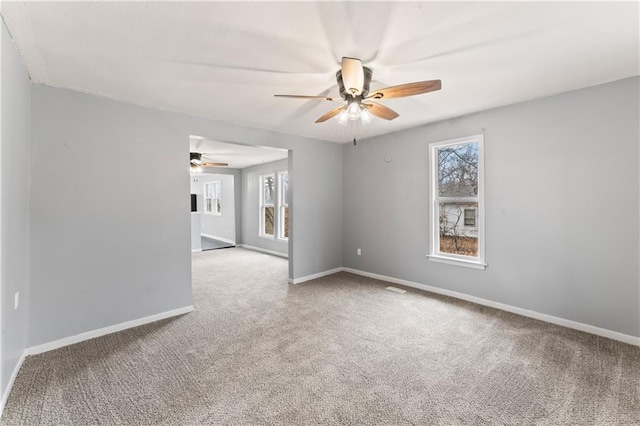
<point>210,228</point>
<point>240,197</point>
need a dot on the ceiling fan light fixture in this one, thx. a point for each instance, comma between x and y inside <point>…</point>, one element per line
<point>366,116</point>
<point>354,111</point>
<point>354,81</point>
<point>343,117</point>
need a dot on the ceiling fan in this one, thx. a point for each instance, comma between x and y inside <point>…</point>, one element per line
<point>353,81</point>
<point>196,162</point>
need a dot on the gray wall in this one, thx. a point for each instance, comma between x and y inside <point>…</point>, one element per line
<point>137,262</point>
<point>196,234</point>
<point>561,206</point>
<point>237,194</point>
<point>223,226</point>
<point>251,206</point>
<point>15,125</point>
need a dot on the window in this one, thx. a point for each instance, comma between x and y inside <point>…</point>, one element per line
<point>283,196</point>
<point>457,216</point>
<point>213,198</point>
<point>470,217</point>
<point>267,205</point>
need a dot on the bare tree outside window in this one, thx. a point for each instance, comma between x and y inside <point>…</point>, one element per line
<point>268,209</point>
<point>269,213</point>
<point>269,189</point>
<point>458,198</point>
<point>213,198</point>
<point>283,232</point>
<point>274,205</point>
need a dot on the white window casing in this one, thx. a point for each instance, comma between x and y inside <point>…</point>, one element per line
<point>283,205</point>
<point>267,218</point>
<point>213,198</point>
<point>456,193</point>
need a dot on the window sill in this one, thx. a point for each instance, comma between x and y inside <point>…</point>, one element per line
<point>460,262</point>
<point>283,240</point>
<point>267,237</point>
<point>212,214</point>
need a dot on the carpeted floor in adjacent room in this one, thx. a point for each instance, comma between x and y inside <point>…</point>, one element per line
<point>337,350</point>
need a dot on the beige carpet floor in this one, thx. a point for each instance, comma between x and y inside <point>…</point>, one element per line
<point>337,350</point>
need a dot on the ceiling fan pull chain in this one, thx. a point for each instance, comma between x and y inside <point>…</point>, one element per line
<point>355,130</point>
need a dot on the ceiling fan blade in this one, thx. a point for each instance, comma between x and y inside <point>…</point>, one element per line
<point>381,111</point>
<point>214,164</point>
<point>352,76</point>
<point>320,98</point>
<point>330,114</point>
<point>408,89</point>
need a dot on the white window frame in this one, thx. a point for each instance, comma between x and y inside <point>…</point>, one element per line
<point>263,205</point>
<point>434,241</point>
<point>216,194</point>
<point>282,205</point>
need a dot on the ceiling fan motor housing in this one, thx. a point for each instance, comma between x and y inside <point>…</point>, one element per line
<point>195,157</point>
<point>346,95</point>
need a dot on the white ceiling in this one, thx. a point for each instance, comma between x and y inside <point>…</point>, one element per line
<point>226,60</point>
<point>236,155</point>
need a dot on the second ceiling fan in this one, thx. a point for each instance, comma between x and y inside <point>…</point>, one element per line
<point>353,81</point>
<point>196,162</point>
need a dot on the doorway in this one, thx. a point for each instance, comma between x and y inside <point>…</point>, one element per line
<point>213,215</point>
<point>240,196</point>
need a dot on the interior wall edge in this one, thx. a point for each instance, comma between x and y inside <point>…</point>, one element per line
<point>544,162</point>
<point>5,395</point>
<point>311,277</point>
<point>263,250</point>
<point>15,137</point>
<point>567,323</point>
<point>87,335</point>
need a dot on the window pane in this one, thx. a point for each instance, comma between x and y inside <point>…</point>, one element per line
<point>269,183</point>
<point>285,188</point>
<point>286,222</point>
<point>218,204</point>
<point>458,170</point>
<point>455,235</point>
<point>269,220</point>
<point>207,205</point>
<point>470,217</point>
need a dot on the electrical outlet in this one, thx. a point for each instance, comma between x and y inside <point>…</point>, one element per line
<point>16,300</point>
<point>359,252</point>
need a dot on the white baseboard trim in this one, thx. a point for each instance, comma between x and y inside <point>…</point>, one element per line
<point>275,253</point>
<point>224,240</point>
<point>49,346</point>
<point>614,335</point>
<point>196,250</point>
<point>314,276</point>
<point>5,395</point>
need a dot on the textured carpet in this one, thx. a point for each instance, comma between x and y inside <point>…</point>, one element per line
<point>337,350</point>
